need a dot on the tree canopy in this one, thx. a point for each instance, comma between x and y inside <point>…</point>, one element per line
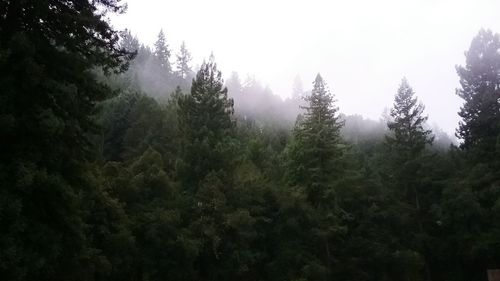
<point>115,166</point>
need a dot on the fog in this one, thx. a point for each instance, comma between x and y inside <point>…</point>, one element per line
<point>250,140</point>
<point>361,48</point>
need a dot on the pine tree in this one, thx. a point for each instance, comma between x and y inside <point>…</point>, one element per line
<point>205,119</point>
<point>183,60</point>
<point>49,51</point>
<point>162,52</point>
<point>406,144</point>
<point>480,89</point>
<point>128,41</point>
<point>471,204</point>
<point>408,137</point>
<point>316,154</point>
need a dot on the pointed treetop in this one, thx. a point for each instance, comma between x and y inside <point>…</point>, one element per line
<point>407,124</point>
<point>318,84</point>
<point>480,90</point>
<point>183,60</point>
<point>162,52</point>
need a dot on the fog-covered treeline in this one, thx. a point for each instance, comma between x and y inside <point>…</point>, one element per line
<point>122,162</point>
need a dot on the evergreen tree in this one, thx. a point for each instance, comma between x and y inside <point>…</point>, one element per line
<point>129,42</point>
<point>48,51</point>
<point>183,60</point>
<point>480,89</point>
<point>316,154</point>
<point>471,202</point>
<point>406,143</point>
<point>206,121</point>
<point>408,138</point>
<point>162,53</point>
<point>316,165</point>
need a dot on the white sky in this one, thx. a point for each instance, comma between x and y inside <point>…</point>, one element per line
<point>361,47</point>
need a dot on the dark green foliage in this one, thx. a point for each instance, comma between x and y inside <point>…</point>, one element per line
<point>207,125</point>
<point>316,151</point>
<point>408,136</point>
<point>101,181</point>
<point>470,203</point>
<point>406,175</point>
<point>48,50</point>
<point>480,125</point>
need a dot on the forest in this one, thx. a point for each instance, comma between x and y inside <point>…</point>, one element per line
<point>122,161</point>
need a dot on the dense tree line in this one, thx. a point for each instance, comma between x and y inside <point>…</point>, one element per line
<point>119,162</point>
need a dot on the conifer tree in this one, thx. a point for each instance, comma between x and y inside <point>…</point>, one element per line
<point>128,41</point>
<point>408,136</point>
<point>474,199</point>
<point>48,52</point>
<point>406,143</point>
<point>206,121</point>
<point>183,60</point>
<point>480,90</point>
<point>315,156</point>
<point>162,52</point>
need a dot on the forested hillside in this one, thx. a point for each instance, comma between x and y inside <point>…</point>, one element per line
<point>121,161</point>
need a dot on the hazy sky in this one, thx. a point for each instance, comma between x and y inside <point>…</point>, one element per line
<point>362,48</point>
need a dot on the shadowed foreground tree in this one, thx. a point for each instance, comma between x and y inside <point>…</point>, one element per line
<point>470,207</point>
<point>48,51</point>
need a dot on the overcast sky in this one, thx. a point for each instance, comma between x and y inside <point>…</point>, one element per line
<point>362,48</point>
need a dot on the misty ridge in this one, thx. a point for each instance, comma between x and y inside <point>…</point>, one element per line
<point>252,100</point>
<point>122,161</point>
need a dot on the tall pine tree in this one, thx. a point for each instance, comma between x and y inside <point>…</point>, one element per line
<point>317,149</point>
<point>183,60</point>
<point>471,205</point>
<point>162,52</point>
<point>408,137</point>
<point>406,143</point>
<point>480,90</point>
<point>206,121</point>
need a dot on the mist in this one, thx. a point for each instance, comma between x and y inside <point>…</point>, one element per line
<point>235,140</point>
<point>362,48</point>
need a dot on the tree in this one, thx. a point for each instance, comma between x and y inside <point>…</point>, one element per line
<point>48,51</point>
<point>480,90</point>
<point>406,143</point>
<point>162,52</point>
<point>234,86</point>
<point>408,137</point>
<point>206,122</point>
<point>470,204</point>
<point>316,154</point>
<point>129,42</point>
<point>183,60</point>
<point>315,167</point>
